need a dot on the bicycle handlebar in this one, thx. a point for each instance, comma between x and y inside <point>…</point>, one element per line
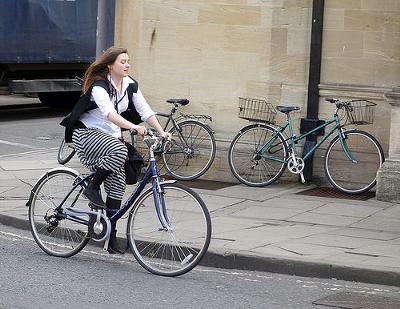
<point>340,104</point>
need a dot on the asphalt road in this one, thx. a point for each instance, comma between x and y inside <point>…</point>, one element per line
<point>26,125</point>
<point>29,278</point>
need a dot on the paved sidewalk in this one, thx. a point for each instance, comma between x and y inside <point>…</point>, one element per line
<point>268,229</point>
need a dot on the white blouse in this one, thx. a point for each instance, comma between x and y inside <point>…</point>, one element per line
<point>97,118</point>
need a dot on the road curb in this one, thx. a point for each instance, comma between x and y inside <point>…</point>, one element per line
<point>300,268</point>
<point>271,264</point>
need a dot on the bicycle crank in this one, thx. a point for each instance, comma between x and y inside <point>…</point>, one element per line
<point>296,166</point>
<point>99,226</point>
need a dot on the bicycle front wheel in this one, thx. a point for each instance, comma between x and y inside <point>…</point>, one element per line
<point>191,150</point>
<point>55,234</point>
<point>359,175</point>
<point>65,152</point>
<point>177,247</point>
<point>257,155</point>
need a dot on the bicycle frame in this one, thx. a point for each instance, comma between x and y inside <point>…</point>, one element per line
<point>151,173</point>
<point>295,139</point>
<point>171,119</point>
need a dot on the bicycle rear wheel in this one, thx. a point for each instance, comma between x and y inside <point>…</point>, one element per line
<point>65,152</point>
<point>354,177</point>
<point>191,150</point>
<point>175,251</point>
<point>54,234</point>
<point>250,163</point>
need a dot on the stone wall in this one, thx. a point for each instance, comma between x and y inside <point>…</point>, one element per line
<point>213,52</point>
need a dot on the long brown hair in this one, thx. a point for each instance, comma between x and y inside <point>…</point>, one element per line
<point>99,68</point>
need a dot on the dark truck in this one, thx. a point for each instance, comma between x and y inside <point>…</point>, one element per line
<point>44,44</point>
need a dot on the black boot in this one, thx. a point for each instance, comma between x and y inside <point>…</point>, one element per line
<point>113,246</point>
<point>93,192</point>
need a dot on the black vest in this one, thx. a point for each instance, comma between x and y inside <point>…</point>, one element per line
<point>84,104</point>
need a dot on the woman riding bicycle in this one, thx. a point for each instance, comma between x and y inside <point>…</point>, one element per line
<point>111,101</point>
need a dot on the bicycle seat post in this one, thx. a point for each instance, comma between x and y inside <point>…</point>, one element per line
<point>174,109</point>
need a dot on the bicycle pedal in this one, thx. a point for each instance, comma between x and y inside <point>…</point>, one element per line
<point>95,206</point>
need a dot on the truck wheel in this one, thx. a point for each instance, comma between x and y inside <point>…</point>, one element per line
<point>59,99</point>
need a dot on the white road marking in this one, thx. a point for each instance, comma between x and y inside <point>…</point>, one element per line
<point>18,144</point>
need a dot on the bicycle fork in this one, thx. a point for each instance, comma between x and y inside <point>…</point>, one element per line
<point>161,209</point>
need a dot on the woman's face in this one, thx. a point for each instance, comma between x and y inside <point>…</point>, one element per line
<point>121,65</point>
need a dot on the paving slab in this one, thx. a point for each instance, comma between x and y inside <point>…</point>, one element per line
<point>333,220</point>
<point>268,213</point>
<point>286,202</point>
<point>379,223</point>
<point>342,209</point>
<point>346,242</point>
<point>360,233</point>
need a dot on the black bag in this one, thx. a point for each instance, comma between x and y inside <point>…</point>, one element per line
<point>133,165</point>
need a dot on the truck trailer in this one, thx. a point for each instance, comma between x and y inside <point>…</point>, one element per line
<point>45,44</point>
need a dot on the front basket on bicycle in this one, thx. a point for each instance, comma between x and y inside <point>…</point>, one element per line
<point>256,110</point>
<point>360,112</point>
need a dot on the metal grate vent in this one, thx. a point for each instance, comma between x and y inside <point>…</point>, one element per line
<point>333,193</point>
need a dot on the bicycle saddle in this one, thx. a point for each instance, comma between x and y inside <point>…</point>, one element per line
<point>287,109</point>
<point>178,101</point>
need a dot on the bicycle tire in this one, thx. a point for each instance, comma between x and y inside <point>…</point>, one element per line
<point>65,152</point>
<point>169,253</point>
<point>188,163</point>
<point>66,238</point>
<point>248,167</point>
<point>349,177</point>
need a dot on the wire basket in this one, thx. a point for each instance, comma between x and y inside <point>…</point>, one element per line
<point>360,112</point>
<point>256,110</point>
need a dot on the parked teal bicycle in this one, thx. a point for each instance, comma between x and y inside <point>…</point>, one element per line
<point>260,152</point>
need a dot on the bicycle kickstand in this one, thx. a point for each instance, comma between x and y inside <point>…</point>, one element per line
<point>105,247</point>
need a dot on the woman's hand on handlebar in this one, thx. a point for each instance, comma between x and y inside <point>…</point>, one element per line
<point>140,130</point>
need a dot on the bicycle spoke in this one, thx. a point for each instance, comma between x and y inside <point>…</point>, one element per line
<point>54,235</point>
<point>171,249</point>
<point>246,155</point>
<point>346,175</point>
<point>192,152</point>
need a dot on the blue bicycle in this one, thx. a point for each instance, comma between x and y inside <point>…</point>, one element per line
<point>168,228</point>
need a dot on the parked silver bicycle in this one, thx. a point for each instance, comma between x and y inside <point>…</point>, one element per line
<point>188,155</point>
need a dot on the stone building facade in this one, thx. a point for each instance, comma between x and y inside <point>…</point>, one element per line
<point>213,52</point>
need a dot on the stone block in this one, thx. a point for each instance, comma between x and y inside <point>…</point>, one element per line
<point>230,15</point>
<point>388,182</point>
<point>334,19</point>
<point>343,43</point>
<point>247,40</point>
<point>382,46</point>
<point>343,4</point>
<point>367,20</point>
<point>380,5</point>
<point>291,17</point>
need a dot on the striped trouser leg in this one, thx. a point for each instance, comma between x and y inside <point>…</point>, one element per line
<point>96,149</point>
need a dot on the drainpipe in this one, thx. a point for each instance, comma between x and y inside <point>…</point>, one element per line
<point>313,81</point>
<point>105,25</point>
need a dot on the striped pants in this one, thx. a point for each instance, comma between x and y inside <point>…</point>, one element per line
<point>96,149</point>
